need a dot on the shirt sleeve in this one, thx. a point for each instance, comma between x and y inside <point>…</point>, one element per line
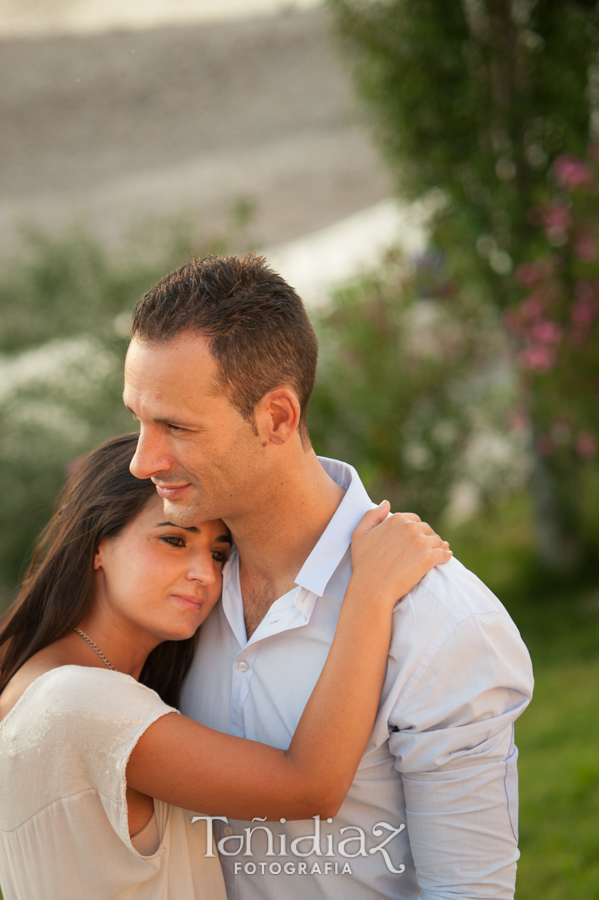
<point>455,752</point>
<point>99,716</point>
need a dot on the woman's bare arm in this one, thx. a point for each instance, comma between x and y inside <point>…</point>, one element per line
<point>189,765</point>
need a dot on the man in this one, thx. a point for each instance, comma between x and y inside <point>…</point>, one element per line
<point>219,372</point>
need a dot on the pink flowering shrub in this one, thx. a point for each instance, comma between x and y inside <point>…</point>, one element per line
<point>556,324</point>
<point>572,172</point>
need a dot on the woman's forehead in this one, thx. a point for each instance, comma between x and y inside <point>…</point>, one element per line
<point>213,529</point>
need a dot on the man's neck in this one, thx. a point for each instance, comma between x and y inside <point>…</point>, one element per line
<point>276,538</point>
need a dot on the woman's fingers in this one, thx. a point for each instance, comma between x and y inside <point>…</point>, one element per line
<point>419,526</point>
<point>398,530</point>
<point>408,526</point>
<point>396,550</point>
<point>439,550</point>
<point>441,555</point>
<point>433,541</point>
<point>436,540</point>
<point>373,518</point>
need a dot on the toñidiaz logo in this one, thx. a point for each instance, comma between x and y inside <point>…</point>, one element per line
<point>351,842</point>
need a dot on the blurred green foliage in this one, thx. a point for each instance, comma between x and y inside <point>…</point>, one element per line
<point>559,784</point>
<point>409,378</point>
<point>65,305</point>
<point>473,101</point>
<point>557,736</point>
<point>557,322</point>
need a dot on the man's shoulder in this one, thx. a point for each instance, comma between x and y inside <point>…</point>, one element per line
<point>460,591</point>
<point>453,640</point>
<point>447,597</point>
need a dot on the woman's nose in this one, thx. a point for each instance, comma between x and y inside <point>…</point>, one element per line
<point>202,569</point>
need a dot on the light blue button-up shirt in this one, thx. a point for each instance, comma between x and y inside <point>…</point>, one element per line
<point>432,811</point>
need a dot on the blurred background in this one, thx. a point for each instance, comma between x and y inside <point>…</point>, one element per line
<point>427,176</point>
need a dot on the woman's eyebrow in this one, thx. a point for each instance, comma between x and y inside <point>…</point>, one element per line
<point>223,538</point>
<point>171,525</point>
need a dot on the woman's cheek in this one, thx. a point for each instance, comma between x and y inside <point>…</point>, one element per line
<point>213,595</point>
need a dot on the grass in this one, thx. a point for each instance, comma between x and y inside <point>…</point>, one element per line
<point>558,738</point>
<point>558,735</point>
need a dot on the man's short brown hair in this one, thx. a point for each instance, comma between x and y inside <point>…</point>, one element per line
<point>259,332</point>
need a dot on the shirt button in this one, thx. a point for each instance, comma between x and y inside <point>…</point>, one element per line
<point>228,830</point>
<point>242,665</point>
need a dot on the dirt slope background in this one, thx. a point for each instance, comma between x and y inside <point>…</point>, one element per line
<point>112,127</point>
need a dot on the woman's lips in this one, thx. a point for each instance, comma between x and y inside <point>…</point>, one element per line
<point>194,603</point>
<point>170,492</point>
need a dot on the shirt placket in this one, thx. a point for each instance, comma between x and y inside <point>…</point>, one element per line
<point>287,613</point>
<point>243,668</point>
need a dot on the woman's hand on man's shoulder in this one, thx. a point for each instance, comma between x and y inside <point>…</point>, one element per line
<point>392,553</point>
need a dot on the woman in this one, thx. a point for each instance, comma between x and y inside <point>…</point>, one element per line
<point>97,768</point>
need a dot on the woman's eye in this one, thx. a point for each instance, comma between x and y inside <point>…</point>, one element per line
<point>219,556</point>
<point>174,541</point>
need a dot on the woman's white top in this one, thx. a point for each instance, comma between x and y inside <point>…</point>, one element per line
<point>64,748</point>
<point>147,840</point>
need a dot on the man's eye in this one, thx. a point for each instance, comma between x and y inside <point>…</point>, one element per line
<point>174,541</point>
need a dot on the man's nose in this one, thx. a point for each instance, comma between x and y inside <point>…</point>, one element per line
<point>150,458</point>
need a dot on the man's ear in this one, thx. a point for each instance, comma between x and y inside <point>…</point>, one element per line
<point>278,415</point>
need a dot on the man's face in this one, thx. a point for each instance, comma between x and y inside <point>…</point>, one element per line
<point>201,454</point>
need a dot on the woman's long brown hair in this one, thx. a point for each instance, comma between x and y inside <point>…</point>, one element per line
<point>98,501</point>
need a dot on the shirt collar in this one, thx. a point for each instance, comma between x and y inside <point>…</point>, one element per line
<point>318,569</point>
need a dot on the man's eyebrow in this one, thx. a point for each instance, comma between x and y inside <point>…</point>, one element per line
<point>189,425</point>
<point>176,423</point>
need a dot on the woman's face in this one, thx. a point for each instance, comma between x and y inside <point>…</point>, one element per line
<point>158,578</point>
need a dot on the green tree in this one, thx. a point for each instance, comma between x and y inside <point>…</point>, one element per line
<point>65,306</point>
<point>476,99</point>
<point>404,390</point>
<point>556,326</point>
